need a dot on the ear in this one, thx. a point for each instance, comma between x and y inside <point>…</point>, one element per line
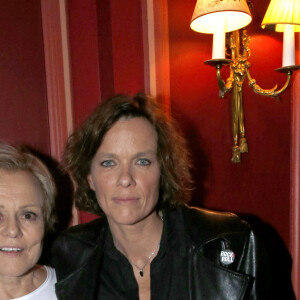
<point>91,182</point>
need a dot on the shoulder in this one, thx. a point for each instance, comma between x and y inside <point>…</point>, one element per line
<point>46,290</point>
<point>204,225</point>
<point>211,232</point>
<point>51,275</point>
<point>208,233</point>
<point>87,233</point>
<point>73,246</point>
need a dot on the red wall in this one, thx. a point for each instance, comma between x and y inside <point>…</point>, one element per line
<point>259,185</point>
<point>23,101</point>
<point>84,51</point>
<point>106,42</point>
<point>107,58</point>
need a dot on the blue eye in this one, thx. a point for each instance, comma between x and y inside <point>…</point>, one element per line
<point>144,162</point>
<point>107,163</point>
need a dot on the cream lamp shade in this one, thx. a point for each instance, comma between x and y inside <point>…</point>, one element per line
<point>208,13</point>
<point>281,13</point>
<point>218,17</point>
<point>284,16</point>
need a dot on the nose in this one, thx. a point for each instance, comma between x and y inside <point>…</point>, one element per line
<point>11,228</point>
<point>126,177</point>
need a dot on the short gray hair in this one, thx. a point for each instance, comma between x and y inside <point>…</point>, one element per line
<point>13,159</point>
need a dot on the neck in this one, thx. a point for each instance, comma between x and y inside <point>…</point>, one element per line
<point>137,241</point>
<point>17,286</point>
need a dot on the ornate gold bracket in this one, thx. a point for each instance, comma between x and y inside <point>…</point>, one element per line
<point>239,69</point>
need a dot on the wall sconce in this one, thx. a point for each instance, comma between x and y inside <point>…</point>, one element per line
<point>220,16</point>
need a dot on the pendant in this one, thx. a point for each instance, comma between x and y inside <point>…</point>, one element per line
<point>141,273</point>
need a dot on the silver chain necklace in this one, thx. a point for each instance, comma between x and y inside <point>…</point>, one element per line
<point>141,269</point>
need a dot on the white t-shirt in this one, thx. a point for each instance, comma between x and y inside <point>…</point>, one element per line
<point>46,291</point>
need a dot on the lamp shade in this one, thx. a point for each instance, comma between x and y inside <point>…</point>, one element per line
<point>281,13</point>
<point>207,15</point>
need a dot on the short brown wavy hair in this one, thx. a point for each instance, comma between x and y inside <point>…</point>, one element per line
<point>13,159</point>
<point>82,145</point>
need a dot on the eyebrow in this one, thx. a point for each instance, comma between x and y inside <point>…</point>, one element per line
<point>30,205</point>
<point>107,155</point>
<point>146,153</point>
<point>112,155</point>
<point>24,206</point>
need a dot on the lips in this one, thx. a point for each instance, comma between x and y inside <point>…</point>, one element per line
<point>125,200</point>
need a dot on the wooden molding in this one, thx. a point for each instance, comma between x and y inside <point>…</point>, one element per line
<point>57,64</point>
<point>57,74</point>
<point>147,36</point>
<point>295,185</point>
<point>156,49</point>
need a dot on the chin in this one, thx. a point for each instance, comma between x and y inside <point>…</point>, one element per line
<point>129,218</point>
<point>17,271</point>
<point>124,219</point>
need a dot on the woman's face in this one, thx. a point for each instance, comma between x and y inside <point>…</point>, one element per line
<point>125,172</point>
<point>21,223</point>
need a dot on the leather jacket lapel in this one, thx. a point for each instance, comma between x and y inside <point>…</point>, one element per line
<point>209,281</point>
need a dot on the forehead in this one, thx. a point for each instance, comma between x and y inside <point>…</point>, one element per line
<point>131,133</point>
<point>20,188</point>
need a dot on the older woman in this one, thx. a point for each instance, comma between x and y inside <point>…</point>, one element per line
<point>27,194</point>
<point>130,164</point>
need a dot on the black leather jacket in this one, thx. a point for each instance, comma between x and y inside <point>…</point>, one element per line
<point>76,257</point>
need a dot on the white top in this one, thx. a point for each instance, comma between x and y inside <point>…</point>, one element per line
<point>46,291</point>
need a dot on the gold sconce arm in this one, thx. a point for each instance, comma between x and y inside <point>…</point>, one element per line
<point>268,92</point>
<point>223,87</point>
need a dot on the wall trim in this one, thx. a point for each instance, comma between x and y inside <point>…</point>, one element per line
<point>57,74</point>
<point>156,51</point>
<point>295,185</point>
<point>58,79</point>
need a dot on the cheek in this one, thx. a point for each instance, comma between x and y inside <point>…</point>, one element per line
<point>38,239</point>
<point>35,234</point>
<point>151,183</point>
<point>104,184</point>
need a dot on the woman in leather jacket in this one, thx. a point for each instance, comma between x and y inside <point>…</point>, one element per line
<point>130,165</point>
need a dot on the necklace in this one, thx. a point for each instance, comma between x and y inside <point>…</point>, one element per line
<point>141,269</point>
